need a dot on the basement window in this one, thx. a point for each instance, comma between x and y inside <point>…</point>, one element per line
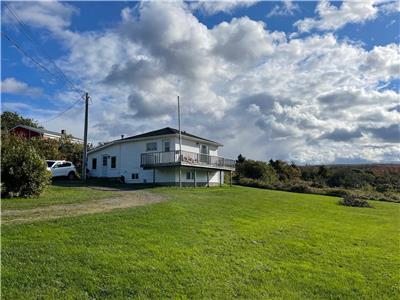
<point>135,176</point>
<point>113,162</point>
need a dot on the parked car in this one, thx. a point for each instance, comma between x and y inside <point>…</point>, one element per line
<point>60,168</point>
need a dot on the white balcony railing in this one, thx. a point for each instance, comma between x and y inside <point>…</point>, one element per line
<point>154,159</point>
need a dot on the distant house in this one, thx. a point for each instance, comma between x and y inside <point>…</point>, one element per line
<point>155,157</point>
<point>32,132</point>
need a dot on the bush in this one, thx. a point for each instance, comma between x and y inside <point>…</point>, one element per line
<point>300,188</point>
<point>351,200</point>
<point>23,172</point>
<point>337,192</point>
<point>256,183</point>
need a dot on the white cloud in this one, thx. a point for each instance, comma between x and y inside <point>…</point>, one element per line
<point>11,85</point>
<point>287,8</point>
<point>250,88</point>
<point>51,15</point>
<point>332,18</point>
<point>213,7</point>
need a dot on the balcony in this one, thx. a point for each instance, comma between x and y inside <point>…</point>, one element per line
<point>185,158</point>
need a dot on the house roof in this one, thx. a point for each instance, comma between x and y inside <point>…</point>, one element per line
<point>41,130</point>
<point>167,131</point>
<point>156,133</point>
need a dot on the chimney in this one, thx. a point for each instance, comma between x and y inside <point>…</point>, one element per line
<point>63,132</point>
<point>122,136</point>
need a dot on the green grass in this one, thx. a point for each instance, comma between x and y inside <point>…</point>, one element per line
<point>210,243</point>
<point>57,195</point>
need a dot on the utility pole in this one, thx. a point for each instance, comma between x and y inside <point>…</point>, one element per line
<point>180,143</point>
<point>84,154</point>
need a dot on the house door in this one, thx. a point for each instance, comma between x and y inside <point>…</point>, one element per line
<point>204,154</point>
<point>104,166</point>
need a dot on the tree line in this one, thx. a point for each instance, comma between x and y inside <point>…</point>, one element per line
<point>381,182</point>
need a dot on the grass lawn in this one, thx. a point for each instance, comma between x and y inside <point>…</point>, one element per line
<point>58,195</point>
<point>209,243</point>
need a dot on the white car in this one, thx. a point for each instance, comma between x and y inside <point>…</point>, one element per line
<point>60,168</point>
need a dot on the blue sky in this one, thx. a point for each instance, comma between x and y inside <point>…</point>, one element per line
<point>272,69</point>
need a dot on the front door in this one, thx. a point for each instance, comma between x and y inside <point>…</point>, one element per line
<point>104,166</point>
<point>203,154</point>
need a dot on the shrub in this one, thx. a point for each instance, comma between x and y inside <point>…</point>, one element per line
<point>23,172</point>
<point>255,183</point>
<point>337,192</point>
<point>351,200</point>
<point>300,188</point>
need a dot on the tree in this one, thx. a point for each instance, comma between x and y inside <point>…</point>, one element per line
<point>240,159</point>
<point>63,149</point>
<point>23,172</point>
<point>258,170</point>
<point>11,119</point>
<point>285,172</point>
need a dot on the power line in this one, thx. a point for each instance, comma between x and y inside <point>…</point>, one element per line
<point>25,31</point>
<point>61,113</point>
<point>25,53</point>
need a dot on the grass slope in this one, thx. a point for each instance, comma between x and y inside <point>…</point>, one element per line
<point>57,195</point>
<point>209,243</point>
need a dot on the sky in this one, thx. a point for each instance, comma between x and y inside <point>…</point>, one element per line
<point>308,82</point>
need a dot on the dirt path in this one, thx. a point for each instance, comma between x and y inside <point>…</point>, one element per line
<point>129,199</point>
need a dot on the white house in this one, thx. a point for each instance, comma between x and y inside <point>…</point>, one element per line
<point>155,157</point>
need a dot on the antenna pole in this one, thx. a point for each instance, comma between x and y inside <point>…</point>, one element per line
<point>84,154</point>
<point>180,142</point>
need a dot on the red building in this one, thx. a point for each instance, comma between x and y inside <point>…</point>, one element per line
<point>32,132</point>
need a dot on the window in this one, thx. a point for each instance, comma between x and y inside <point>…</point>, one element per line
<point>190,175</point>
<point>135,175</point>
<point>113,162</point>
<point>151,146</point>
<point>104,160</point>
<point>63,165</point>
<point>94,163</point>
<point>167,147</point>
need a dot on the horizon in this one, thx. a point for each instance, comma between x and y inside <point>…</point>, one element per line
<point>310,82</point>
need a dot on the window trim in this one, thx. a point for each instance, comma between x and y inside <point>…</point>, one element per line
<point>148,149</point>
<point>169,145</point>
<point>191,175</point>
<point>113,163</point>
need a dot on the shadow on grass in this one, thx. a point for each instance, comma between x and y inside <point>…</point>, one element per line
<point>101,183</point>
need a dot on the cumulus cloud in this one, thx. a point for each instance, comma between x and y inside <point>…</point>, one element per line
<point>342,134</point>
<point>287,8</point>
<point>331,17</point>
<point>214,7</point>
<point>313,99</point>
<point>51,15</point>
<point>388,134</point>
<point>11,85</point>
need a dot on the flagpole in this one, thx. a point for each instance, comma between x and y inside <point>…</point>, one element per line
<point>180,142</point>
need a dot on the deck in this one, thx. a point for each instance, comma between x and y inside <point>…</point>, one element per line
<point>185,158</point>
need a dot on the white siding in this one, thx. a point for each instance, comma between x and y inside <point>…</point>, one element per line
<point>128,162</point>
<point>192,146</point>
